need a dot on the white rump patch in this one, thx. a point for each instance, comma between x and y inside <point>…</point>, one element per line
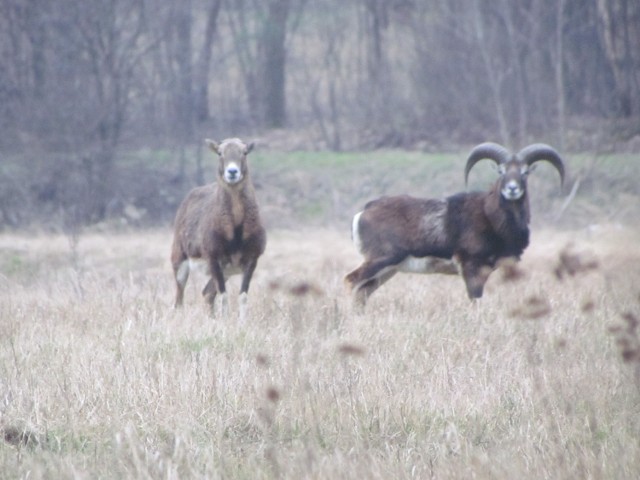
<point>355,231</point>
<point>243,306</point>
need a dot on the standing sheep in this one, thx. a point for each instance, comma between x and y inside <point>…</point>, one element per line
<point>467,231</point>
<point>220,225</point>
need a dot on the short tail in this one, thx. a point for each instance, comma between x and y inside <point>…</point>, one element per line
<point>355,231</point>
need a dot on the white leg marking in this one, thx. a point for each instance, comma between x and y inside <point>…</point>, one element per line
<point>183,272</point>
<point>224,305</point>
<point>243,306</point>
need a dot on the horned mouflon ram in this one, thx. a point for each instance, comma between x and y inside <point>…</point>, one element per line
<point>466,233</point>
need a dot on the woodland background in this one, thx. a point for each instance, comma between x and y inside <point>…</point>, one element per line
<point>104,104</point>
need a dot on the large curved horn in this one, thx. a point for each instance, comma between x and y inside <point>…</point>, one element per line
<point>541,151</point>
<point>488,150</point>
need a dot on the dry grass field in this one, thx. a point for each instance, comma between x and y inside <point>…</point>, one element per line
<point>100,378</point>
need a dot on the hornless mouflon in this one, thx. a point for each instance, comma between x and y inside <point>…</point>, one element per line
<point>219,224</point>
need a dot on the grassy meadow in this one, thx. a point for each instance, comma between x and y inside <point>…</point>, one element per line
<point>101,378</point>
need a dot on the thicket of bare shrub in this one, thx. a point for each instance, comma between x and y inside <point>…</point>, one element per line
<point>315,188</point>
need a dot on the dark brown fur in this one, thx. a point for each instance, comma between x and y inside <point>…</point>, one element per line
<point>475,229</point>
<point>466,226</point>
<point>220,224</point>
<point>395,213</point>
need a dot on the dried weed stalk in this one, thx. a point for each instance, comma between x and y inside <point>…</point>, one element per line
<point>20,437</point>
<point>348,349</point>
<point>534,308</point>
<point>627,338</point>
<point>571,263</point>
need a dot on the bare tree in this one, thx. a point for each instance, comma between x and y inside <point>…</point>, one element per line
<point>81,78</point>
<point>182,51</point>
<point>203,67</point>
<point>559,74</point>
<point>243,32</point>
<point>493,72</point>
<point>93,59</point>
<point>260,34</point>
<point>325,78</point>
<point>22,62</point>
<point>377,23</point>
<point>620,31</point>
<point>273,59</point>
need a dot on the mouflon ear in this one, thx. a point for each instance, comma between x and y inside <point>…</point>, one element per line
<point>213,146</point>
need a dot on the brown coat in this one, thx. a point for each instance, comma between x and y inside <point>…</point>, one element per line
<point>220,224</point>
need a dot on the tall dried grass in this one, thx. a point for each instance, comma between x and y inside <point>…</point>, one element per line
<point>100,378</point>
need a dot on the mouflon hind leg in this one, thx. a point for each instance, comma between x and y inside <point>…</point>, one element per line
<point>369,276</point>
<point>181,275</point>
<point>243,299</point>
<point>365,290</point>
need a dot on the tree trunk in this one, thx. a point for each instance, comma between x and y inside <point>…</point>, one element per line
<point>183,94</point>
<point>516,62</point>
<point>247,58</point>
<point>274,64</point>
<point>183,56</point>
<point>378,21</point>
<point>559,73</point>
<point>620,31</point>
<point>204,63</point>
<point>37,36</point>
<point>492,74</point>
